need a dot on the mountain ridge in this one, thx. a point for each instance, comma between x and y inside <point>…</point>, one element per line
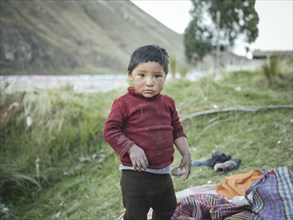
<point>78,37</point>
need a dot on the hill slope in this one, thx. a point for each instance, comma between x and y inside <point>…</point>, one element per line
<point>53,37</point>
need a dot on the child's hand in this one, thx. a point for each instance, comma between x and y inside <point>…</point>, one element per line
<point>138,158</point>
<point>185,163</point>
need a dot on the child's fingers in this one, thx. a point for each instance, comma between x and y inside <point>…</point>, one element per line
<point>139,164</point>
<point>186,167</point>
<point>136,165</point>
<point>186,175</point>
<point>145,163</point>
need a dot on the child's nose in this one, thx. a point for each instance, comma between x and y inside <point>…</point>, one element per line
<point>149,81</point>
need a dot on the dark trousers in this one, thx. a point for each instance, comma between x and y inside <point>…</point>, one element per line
<point>142,191</point>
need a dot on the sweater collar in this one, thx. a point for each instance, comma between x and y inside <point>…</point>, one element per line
<point>132,92</point>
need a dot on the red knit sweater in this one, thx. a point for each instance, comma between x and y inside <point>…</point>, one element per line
<point>152,124</point>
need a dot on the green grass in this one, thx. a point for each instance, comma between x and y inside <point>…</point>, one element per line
<point>67,132</point>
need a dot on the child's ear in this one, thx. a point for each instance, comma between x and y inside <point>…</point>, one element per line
<point>130,76</point>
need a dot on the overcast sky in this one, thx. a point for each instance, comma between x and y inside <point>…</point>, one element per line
<point>275,25</point>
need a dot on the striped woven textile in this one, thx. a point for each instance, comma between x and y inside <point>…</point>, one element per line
<point>272,196</point>
<point>209,206</point>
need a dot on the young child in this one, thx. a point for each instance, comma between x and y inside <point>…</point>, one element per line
<point>142,128</point>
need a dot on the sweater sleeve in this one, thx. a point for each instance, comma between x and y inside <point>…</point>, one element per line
<point>176,124</point>
<point>113,129</point>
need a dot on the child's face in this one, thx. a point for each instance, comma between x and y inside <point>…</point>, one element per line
<point>148,79</point>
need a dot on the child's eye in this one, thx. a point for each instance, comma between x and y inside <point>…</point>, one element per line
<point>141,74</point>
<point>158,75</point>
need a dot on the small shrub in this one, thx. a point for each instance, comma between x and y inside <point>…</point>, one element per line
<point>173,66</point>
<point>183,70</point>
<point>14,185</point>
<point>271,69</point>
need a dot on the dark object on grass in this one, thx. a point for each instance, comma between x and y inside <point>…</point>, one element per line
<point>217,157</point>
<point>227,166</point>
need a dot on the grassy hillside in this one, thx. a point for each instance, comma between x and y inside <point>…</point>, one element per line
<point>60,167</point>
<point>53,37</point>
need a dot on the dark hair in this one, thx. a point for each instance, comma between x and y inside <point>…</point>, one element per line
<point>148,53</point>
